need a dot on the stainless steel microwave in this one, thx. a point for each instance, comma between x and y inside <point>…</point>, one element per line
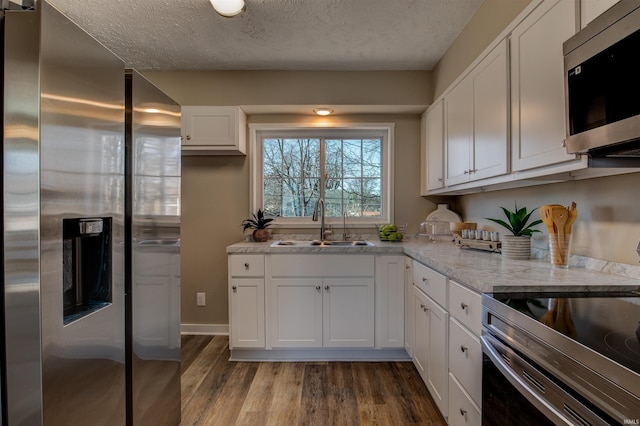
<point>602,84</point>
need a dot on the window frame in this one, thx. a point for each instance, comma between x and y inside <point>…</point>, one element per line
<point>386,130</point>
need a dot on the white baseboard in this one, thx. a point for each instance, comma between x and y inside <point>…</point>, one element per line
<point>205,329</point>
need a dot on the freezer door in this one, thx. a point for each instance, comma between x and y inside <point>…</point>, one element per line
<point>153,203</point>
<point>82,151</point>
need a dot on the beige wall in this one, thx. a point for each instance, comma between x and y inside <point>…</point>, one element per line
<point>490,20</point>
<point>215,189</point>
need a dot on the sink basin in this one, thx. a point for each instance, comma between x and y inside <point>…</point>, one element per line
<point>318,243</point>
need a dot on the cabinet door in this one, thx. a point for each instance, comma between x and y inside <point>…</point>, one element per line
<point>434,146</point>
<point>389,289</point>
<point>348,312</point>
<point>246,326</point>
<point>537,85</point>
<point>420,335</point>
<point>458,132</point>
<point>296,313</point>
<point>438,358</point>
<point>408,306</point>
<point>213,130</point>
<point>490,123</point>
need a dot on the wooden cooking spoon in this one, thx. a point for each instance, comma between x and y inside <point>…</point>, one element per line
<point>573,215</point>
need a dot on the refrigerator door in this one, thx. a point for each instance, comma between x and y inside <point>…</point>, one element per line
<point>82,152</point>
<point>21,256</point>
<point>153,201</point>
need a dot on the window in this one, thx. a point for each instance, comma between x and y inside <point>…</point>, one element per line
<point>349,168</point>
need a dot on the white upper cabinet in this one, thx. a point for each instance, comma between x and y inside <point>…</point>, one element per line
<point>433,145</point>
<point>591,9</point>
<point>475,114</point>
<point>213,130</point>
<point>537,85</point>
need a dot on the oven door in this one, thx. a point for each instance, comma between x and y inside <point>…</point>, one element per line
<point>516,392</point>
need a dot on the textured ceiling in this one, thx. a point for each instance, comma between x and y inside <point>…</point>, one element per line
<point>346,35</point>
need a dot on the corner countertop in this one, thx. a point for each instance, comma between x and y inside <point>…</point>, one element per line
<point>478,270</point>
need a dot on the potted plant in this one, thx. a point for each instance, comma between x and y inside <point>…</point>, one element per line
<point>517,245</point>
<point>259,223</point>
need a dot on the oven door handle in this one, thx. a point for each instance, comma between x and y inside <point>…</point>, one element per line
<point>522,386</point>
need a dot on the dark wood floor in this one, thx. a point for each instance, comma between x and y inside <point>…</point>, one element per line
<point>216,391</point>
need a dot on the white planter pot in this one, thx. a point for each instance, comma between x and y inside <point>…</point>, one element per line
<point>516,247</point>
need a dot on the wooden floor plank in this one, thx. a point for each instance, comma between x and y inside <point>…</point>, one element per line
<point>216,391</point>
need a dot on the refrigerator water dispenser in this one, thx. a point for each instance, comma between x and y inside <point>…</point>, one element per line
<point>87,284</point>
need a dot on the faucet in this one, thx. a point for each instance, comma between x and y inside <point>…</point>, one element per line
<point>315,217</point>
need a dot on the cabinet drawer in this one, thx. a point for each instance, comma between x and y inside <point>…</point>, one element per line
<point>323,265</point>
<point>465,359</point>
<point>462,411</point>
<point>430,282</point>
<point>246,265</point>
<point>465,305</point>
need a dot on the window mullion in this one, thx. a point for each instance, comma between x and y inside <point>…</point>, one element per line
<point>323,175</point>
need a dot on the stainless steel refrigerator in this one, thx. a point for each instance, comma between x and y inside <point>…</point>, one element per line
<point>90,211</point>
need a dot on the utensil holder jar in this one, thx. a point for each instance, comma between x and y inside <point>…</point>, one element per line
<point>559,250</point>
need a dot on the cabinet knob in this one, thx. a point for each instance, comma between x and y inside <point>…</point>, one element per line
<point>425,279</point>
<point>564,143</point>
<point>234,288</point>
<point>318,287</point>
<point>463,348</point>
<point>466,172</point>
<point>463,412</point>
<point>246,266</point>
<point>422,305</point>
<point>463,306</point>
<point>425,309</point>
<point>188,137</point>
<point>326,287</point>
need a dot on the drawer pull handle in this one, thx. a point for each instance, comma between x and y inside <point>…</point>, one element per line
<point>246,265</point>
<point>463,412</point>
<point>234,288</point>
<point>463,349</point>
<point>318,287</point>
<point>463,306</point>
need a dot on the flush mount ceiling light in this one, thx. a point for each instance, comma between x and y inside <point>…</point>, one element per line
<point>323,111</point>
<point>228,8</point>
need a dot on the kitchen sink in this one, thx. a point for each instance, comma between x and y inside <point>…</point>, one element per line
<point>318,243</point>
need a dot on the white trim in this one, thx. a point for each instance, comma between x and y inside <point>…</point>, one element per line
<point>255,164</point>
<point>205,329</point>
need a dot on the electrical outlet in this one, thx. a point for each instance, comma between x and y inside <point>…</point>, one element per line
<point>200,299</point>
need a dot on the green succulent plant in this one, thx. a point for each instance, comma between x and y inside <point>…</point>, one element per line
<point>518,219</point>
<point>257,221</point>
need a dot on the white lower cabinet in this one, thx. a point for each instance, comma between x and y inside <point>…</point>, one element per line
<point>390,300</point>
<point>465,355</point>
<point>430,349</point>
<point>246,301</point>
<point>313,312</point>
<point>408,306</point>
<point>321,301</point>
<point>462,410</point>
<point>246,311</point>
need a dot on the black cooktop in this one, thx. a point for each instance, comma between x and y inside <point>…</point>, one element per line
<point>608,323</point>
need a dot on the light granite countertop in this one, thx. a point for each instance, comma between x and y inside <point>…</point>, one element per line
<point>478,270</point>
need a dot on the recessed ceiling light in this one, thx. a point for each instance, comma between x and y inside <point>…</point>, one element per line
<point>228,8</point>
<point>323,111</point>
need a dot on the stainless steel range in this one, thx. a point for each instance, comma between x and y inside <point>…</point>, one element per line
<point>561,358</point>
